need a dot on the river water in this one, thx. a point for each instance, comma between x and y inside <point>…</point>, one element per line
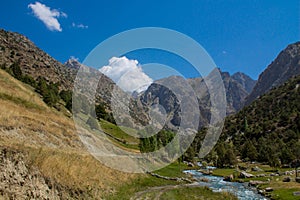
<point>241,190</point>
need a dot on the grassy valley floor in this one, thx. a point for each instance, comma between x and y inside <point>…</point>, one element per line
<point>151,187</point>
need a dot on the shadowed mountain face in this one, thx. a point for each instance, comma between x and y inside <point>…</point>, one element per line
<point>246,82</point>
<point>237,88</point>
<point>285,66</point>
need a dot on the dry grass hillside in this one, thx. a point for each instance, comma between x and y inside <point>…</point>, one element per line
<point>38,145</point>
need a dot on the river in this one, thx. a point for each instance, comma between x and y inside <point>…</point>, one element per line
<point>216,183</point>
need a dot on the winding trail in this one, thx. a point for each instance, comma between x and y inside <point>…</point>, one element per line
<point>160,191</point>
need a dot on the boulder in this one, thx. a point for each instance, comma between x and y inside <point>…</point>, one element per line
<point>205,180</point>
<point>261,175</point>
<point>206,172</point>
<point>255,183</point>
<point>269,189</point>
<point>285,166</point>
<point>246,175</point>
<point>229,178</point>
<point>288,173</point>
<point>191,164</point>
<point>262,192</point>
<point>256,169</point>
<point>297,179</point>
<point>242,168</point>
<point>287,179</point>
<point>296,193</point>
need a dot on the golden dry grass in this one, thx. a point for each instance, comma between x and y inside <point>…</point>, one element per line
<point>49,139</point>
<point>24,118</point>
<point>13,87</point>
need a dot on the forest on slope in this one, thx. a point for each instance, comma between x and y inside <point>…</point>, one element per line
<point>266,131</point>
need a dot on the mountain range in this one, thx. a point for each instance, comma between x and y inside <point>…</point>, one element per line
<point>240,89</point>
<point>41,152</point>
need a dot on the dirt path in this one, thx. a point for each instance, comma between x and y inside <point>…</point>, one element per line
<point>160,191</point>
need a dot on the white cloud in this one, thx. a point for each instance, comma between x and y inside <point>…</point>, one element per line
<point>62,14</point>
<point>82,26</point>
<point>47,15</point>
<point>127,74</point>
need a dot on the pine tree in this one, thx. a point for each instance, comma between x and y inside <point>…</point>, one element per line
<point>16,70</point>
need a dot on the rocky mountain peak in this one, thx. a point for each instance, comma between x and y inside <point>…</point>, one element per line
<point>236,87</point>
<point>285,66</point>
<point>247,82</point>
<point>73,63</point>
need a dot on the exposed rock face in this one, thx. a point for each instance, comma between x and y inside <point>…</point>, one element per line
<point>246,82</point>
<point>73,63</point>
<point>93,77</point>
<point>285,66</point>
<point>158,94</point>
<point>178,99</point>
<point>18,181</point>
<point>237,88</point>
<point>33,61</point>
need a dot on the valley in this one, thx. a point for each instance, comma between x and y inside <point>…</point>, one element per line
<point>43,155</point>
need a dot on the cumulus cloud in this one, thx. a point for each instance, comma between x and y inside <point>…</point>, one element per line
<point>81,26</point>
<point>127,74</point>
<point>47,15</point>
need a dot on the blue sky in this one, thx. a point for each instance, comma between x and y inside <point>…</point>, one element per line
<point>240,35</point>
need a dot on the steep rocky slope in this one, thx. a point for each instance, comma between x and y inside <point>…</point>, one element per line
<point>285,66</point>
<point>45,157</point>
<point>268,129</point>
<point>247,82</point>
<point>16,48</point>
<point>237,88</point>
<point>18,181</point>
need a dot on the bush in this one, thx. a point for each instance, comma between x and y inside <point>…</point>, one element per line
<point>16,71</point>
<point>67,97</point>
<point>29,80</point>
<point>101,113</point>
<point>48,91</point>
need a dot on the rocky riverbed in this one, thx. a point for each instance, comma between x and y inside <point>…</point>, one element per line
<point>217,184</point>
